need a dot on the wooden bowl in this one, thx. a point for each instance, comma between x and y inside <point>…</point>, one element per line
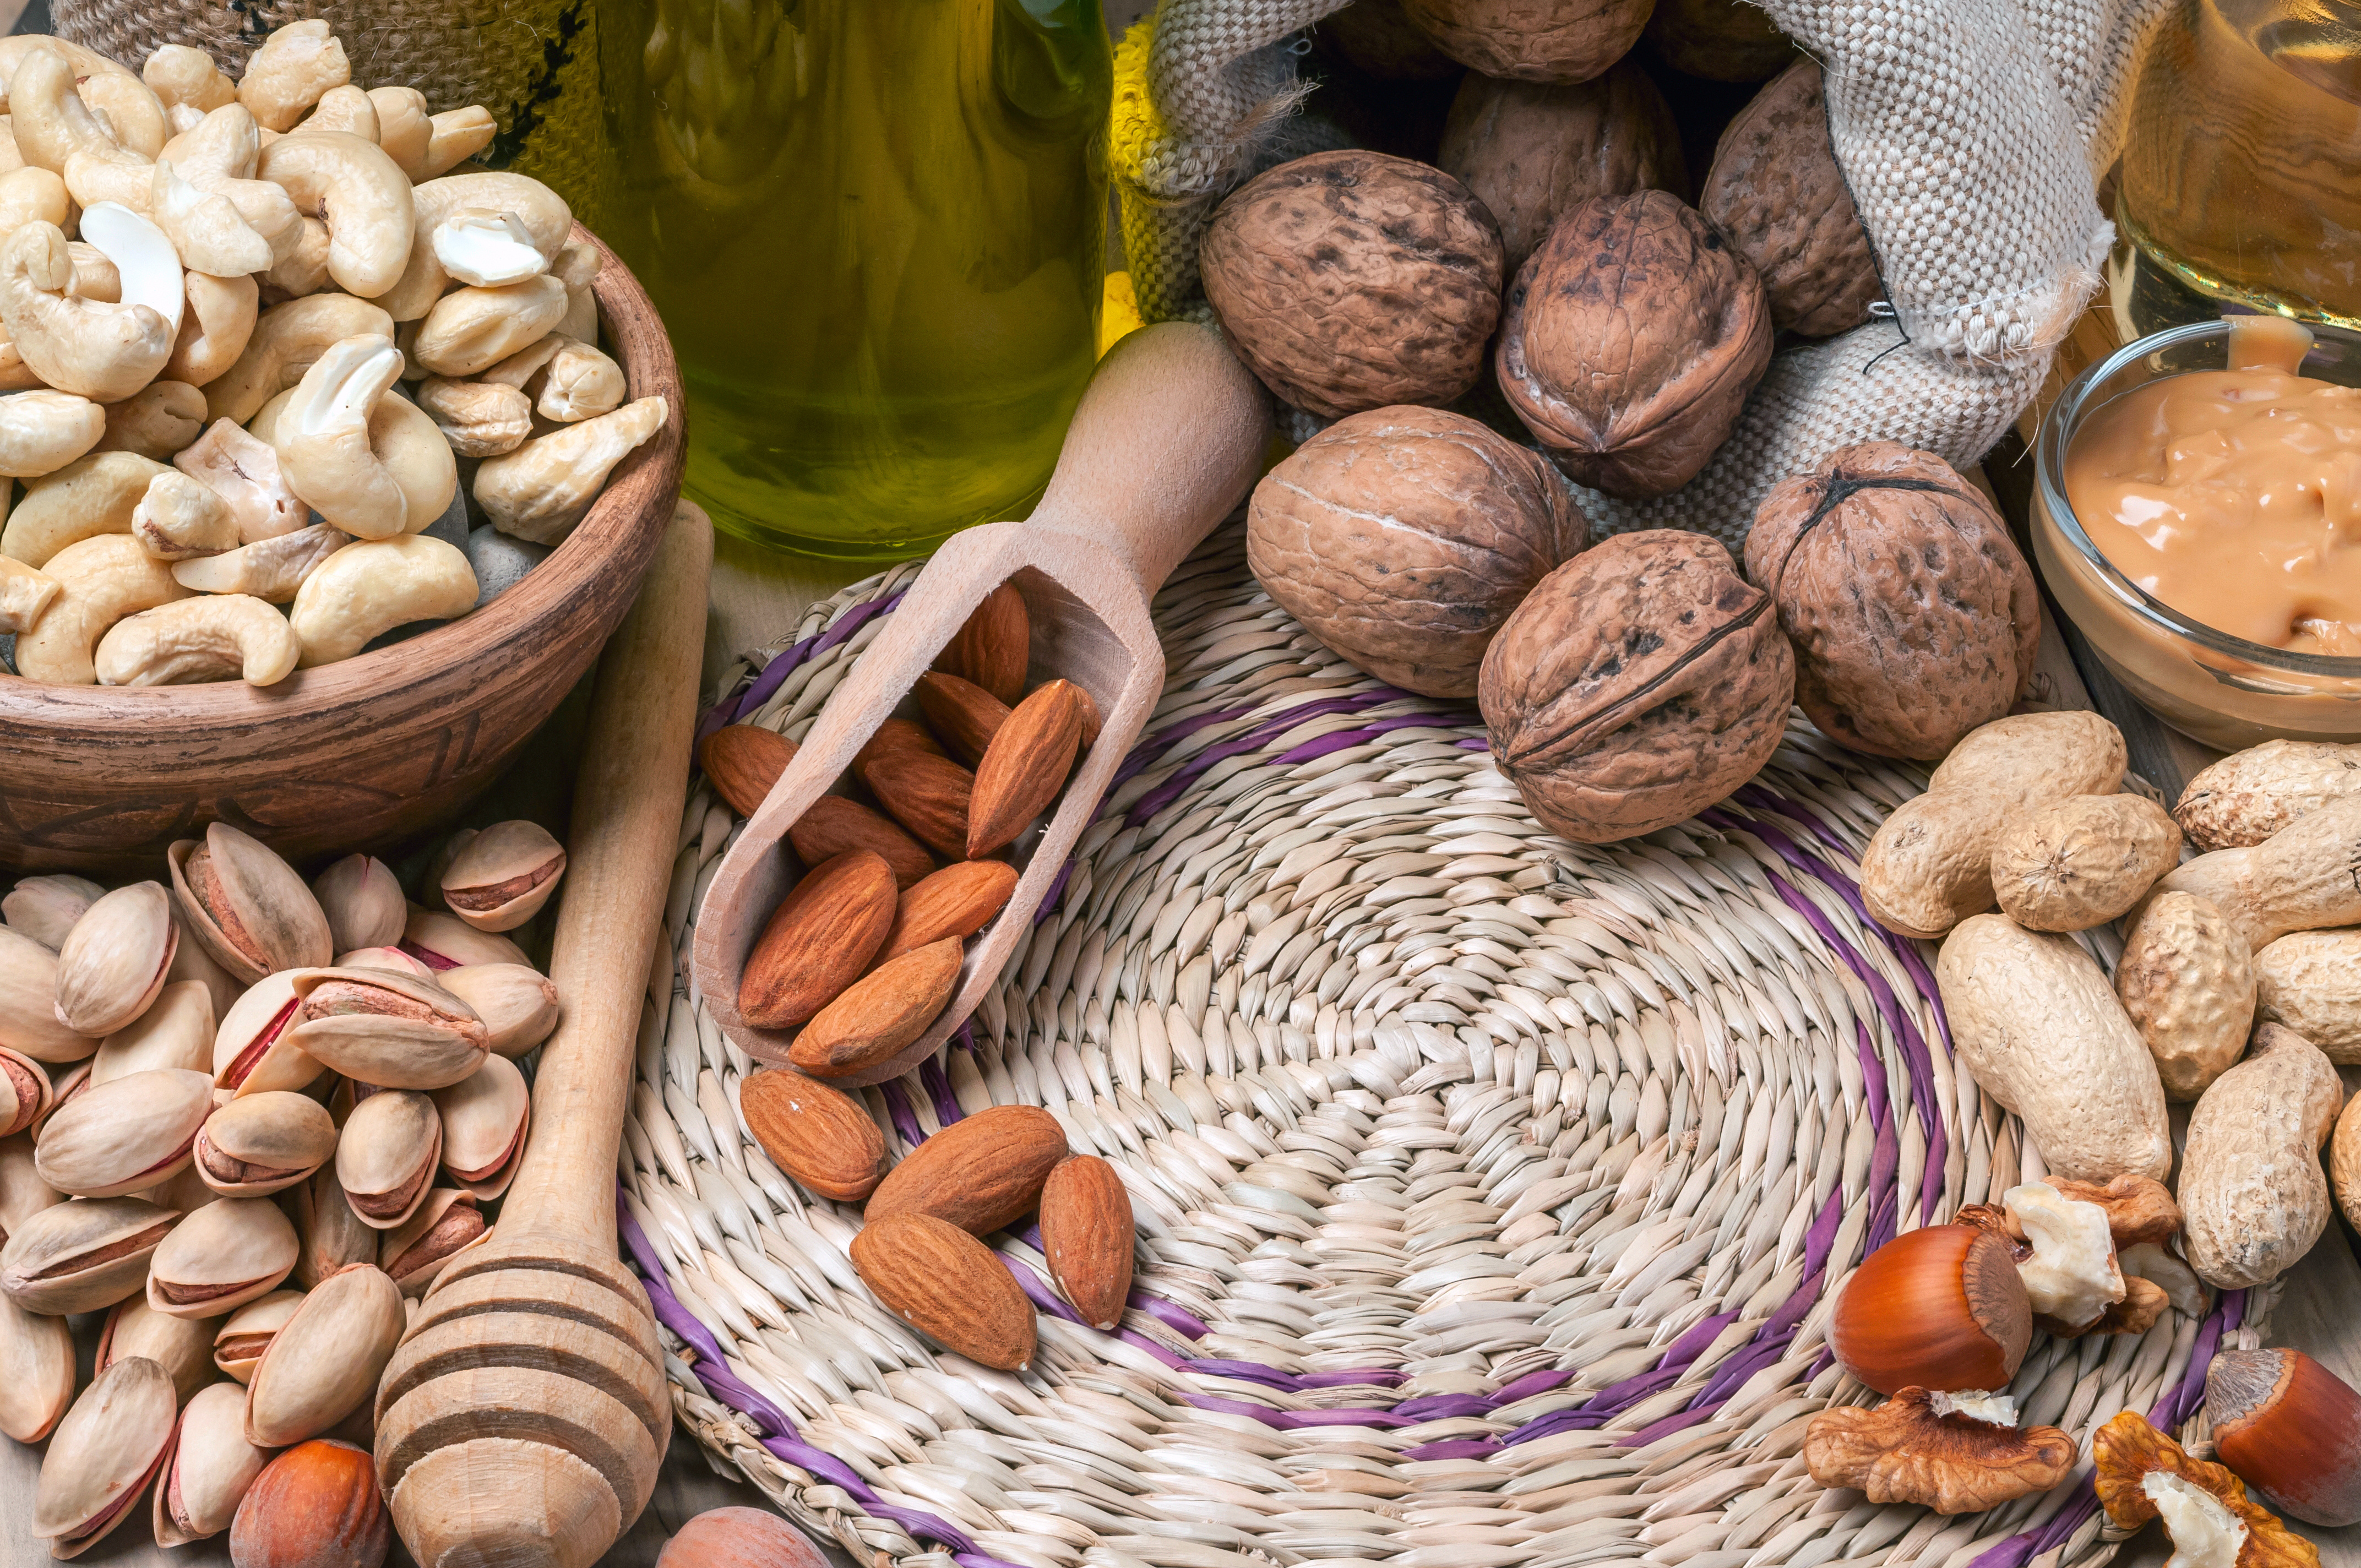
<point>358,755</point>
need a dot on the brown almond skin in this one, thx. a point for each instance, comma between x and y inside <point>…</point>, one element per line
<point>980,1173</point>
<point>833,826</point>
<point>743,760</point>
<point>817,941</point>
<point>894,735</point>
<point>956,902</point>
<point>1086,1229</point>
<point>993,646</point>
<point>947,1286</point>
<point>964,715</point>
<point>927,793</point>
<point>880,1014</point>
<point>819,1135</point>
<point>1025,767</point>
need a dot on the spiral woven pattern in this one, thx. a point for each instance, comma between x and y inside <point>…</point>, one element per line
<point>1493,1191</point>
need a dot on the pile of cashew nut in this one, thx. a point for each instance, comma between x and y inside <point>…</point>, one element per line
<point>212,295</point>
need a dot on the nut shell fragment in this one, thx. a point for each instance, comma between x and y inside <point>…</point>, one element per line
<point>1913,1450</point>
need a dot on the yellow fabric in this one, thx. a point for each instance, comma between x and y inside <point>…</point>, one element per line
<point>1118,312</point>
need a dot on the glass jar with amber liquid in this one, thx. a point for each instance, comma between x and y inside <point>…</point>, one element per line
<point>875,230</point>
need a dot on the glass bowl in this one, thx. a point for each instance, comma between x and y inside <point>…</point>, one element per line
<point>2220,689</point>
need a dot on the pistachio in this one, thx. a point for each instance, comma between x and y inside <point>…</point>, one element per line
<point>324,1363</point>
<point>221,1257</point>
<point>259,1143</point>
<point>387,1029</point>
<point>252,1051</point>
<point>180,1345</point>
<point>413,1257</point>
<point>191,962</point>
<point>26,1095</point>
<point>37,1372</point>
<point>28,992</point>
<point>504,875</point>
<point>363,902</point>
<point>66,1084</point>
<point>207,1468</point>
<point>122,1136</point>
<point>247,905</point>
<point>448,850</point>
<point>23,1193</point>
<point>45,907</point>
<point>386,1155</point>
<point>177,1031</point>
<point>517,1003</point>
<point>446,941</point>
<point>83,1255</point>
<point>245,1334</point>
<point>103,1454</point>
<point>185,1193</point>
<point>114,960</point>
<point>393,960</point>
<point>329,1233</point>
<point>484,1122</point>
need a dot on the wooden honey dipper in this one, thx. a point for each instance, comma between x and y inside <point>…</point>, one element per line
<point>525,1417</point>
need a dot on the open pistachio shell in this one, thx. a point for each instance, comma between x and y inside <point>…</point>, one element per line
<point>258,1143</point>
<point>123,1135</point>
<point>324,1363</point>
<point>247,905</point>
<point>83,1255</point>
<point>116,959</point>
<point>181,1346</point>
<point>185,1192</point>
<point>26,1095</point>
<point>37,1372</point>
<point>331,1234</point>
<point>485,1119</point>
<point>504,875</point>
<point>23,1193</point>
<point>46,907</point>
<point>191,962</point>
<point>28,994</point>
<point>221,1257</point>
<point>386,1154</point>
<point>207,1468</point>
<point>518,1003</point>
<point>393,960</point>
<point>363,902</point>
<point>240,1339</point>
<point>446,941</point>
<point>177,1031</point>
<point>387,1029</point>
<point>252,1052</point>
<point>415,1255</point>
<point>103,1454</point>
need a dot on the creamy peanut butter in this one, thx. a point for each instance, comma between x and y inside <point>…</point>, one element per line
<point>2234,496</point>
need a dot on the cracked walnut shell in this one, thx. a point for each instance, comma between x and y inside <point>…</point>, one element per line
<point>1936,1448</point>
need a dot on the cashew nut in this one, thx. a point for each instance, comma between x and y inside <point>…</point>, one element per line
<point>33,195</point>
<point>292,71</point>
<point>10,158</point>
<point>543,488</point>
<point>359,193</point>
<point>40,432</point>
<point>104,351</point>
<point>458,136</point>
<point>404,128</point>
<point>155,421</point>
<point>579,382</point>
<point>24,592</point>
<point>284,343</point>
<point>479,418</point>
<point>244,471</point>
<point>218,158</point>
<point>487,248</point>
<point>55,130</point>
<point>473,329</point>
<point>577,266</point>
<point>128,108</point>
<point>86,62</point>
<point>346,109</point>
<point>214,638</point>
<point>216,329</point>
<point>179,518</point>
<point>95,276</point>
<point>148,268</point>
<point>210,234</point>
<point>323,436</point>
<point>268,569</point>
<point>99,581</point>
<point>305,269</point>
<point>518,369</point>
<point>541,211</point>
<point>368,588</point>
<point>185,77</point>
<point>87,497</point>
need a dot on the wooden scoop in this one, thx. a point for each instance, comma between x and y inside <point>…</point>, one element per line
<point>522,1420</point>
<point>1168,438</point>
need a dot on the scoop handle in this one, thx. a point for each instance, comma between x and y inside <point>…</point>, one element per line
<point>1169,434</point>
<point>627,799</point>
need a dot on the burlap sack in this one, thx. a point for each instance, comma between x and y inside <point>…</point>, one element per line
<point>1970,131</point>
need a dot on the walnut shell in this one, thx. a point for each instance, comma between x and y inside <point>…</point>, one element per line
<point>1351,280</point>
<point>1531,150</point>
<point>1914,616</point>
<point>1776,191</point>
<point>1403,537</point>
<point>1640,683</point>
<point>1375,38</point>
<point>1532,41</point>
<point>1721,40</point>
<point>1632,336</point>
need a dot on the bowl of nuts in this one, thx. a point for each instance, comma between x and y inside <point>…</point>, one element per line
<point>338,457</point>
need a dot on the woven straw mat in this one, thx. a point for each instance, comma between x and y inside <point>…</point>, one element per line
<point>1492,1190</point>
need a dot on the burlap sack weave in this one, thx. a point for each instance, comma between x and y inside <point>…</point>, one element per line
<point>1970,131</point>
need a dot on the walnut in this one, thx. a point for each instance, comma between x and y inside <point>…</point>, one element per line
<point>1532,41</point>
<point>1944,1450</point>
<point>2142,1474</point>
<point>1640,683</point>
<point>1403,537</point>
<point>2140,1208</point>
<point>1721,40</point>
<point>1531,150</point>
<point>1914,616</point>
<point>1375,38</point>
<point>1631,338</point>
<point>1351,280</point>
<point>1776,190</point>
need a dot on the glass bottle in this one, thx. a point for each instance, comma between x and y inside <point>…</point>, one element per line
<point>876,232</point>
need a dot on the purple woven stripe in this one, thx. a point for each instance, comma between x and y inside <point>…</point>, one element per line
<point>905,1121</point>
<point>729,710</point>
<point>939,1088</point>
<point>1171,789</point>
<point>1453,1448</point>
<point>1057,891</point>
<point>1340,739</point>
<point>1145,754</point>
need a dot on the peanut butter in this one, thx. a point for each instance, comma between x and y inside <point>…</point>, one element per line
<point>2234,496</point>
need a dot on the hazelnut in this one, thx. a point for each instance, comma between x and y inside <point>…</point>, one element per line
<point>738,1538</point>
<point>1939,1309</point>
<point>315,1506</point>
<point>1776,190</point>
<point>1533,40</point>
<point>1956,1454</point>
<point>2290,1426</point>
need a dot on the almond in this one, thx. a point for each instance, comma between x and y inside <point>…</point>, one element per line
<point>1023,768</point>
<point>1091,721</point>
<point>744,760</point>
<point>894,735</point>
<point>819,1135</point>
<point>928,794</point>
<point>880,1014</point>
<point>1086,1230</point>
<point>955,902</point>
<point>947,1286</point>
<point>993,648</point>
<point>832,826</point>
<point>963,713</point>
<point>980,1173</point>
<point>818,940</point>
